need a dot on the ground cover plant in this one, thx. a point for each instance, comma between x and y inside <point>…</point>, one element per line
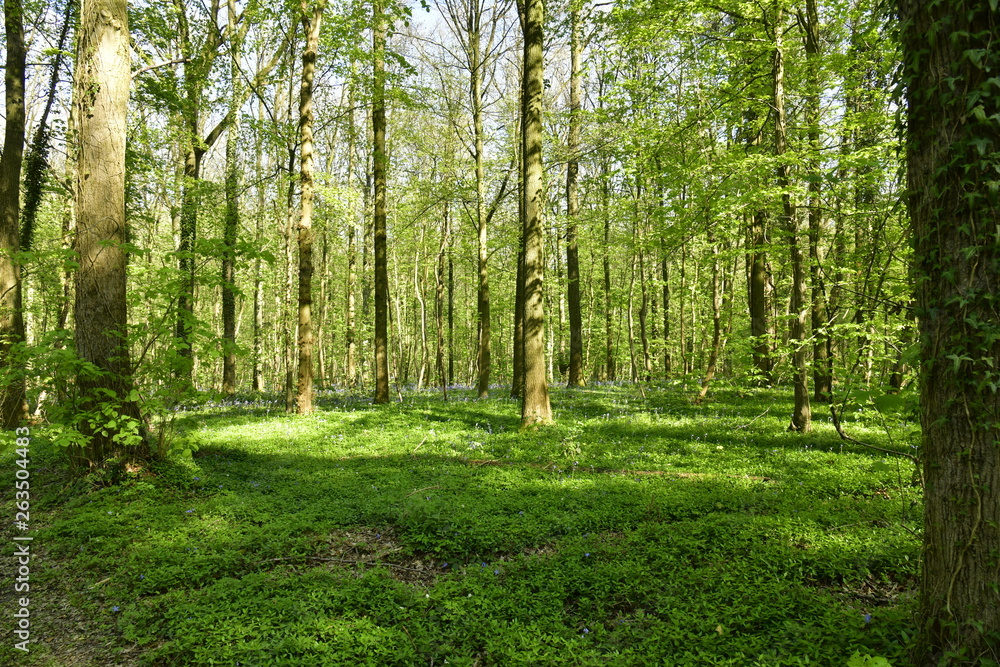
<point>641,530</point>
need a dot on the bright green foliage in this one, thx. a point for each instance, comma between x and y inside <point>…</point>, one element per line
<point>640,530</point>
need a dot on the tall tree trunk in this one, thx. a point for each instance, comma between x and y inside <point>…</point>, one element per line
<point>717,292</point>
<point>758,281</point>
<point>311,19</point>
<point>535,406</point>
<point>379,215</point>
<point>609,339</point>
<point>822,380</point>
<point>439,302</point>
<point>258,279</point>
<point>802,413</point>
<point>517,381</point>
<point>350,325</point>
<point>952,139</point>
<point>483,299</point>
<point>285,306</point>
<point>665,276</point>
<point>13,406</point>
<point>101,90</point>
<point>231,222</point>
<point>573,203</point>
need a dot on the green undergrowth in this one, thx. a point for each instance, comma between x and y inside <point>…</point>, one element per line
<point>639,530</point>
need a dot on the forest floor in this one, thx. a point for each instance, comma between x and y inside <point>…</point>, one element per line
<point>641,529</point>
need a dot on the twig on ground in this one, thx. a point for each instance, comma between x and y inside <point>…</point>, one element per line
<point>753,420</point>
<point>426,488</point>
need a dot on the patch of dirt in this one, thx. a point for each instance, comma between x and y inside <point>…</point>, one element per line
<point>64,633</point>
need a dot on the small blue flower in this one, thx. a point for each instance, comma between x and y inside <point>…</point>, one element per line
<point>586,631</point>
<point>115,608</point>
<point>189,511</point>
<point>586,555</point>
<point>142,576</point>
<point>444,565</point>
<point>521,512</point>
<point>868,618</point>
<point>496,571</point>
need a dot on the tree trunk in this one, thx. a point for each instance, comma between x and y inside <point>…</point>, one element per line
<point>717,291</point>
<point>101,90</point>
<point>822,380</point>
<point>439,303</point>
<point>801,414</point>
<point>311,19</point>
<point>379,216</point>
<point>609,339</point>
<point>483,300</point>
<point>13,406</point>
<point>535,406</point>
<point>573,204</point>
<point>231,222</point>
<point>952,139</point>
<point>665,276</point>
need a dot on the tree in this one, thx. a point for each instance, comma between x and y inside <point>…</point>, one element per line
<point>13,407</point>
<point>232,217</point>
<point>111,414</point>
<point>379,159</point>
<point>311,19</point>
<point>802,414</point>
<point>535,406</point>
<point>953,153</point>
<point>573,203</point>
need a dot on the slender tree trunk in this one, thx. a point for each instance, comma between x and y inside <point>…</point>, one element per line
<point>13,406</point>
<point>483,300</point>
<point>311,19</point>
<point>36,162</point>
<point>802,413</point>
<point>258,280</point>
<point>379,217</point>
<point>439,302</point>
<point>717,291</point>
<point>953,216</point>
<point>822,380</point>
<point>573,204</point>
<point>665,276</point>
<point>609,339</point>
<point>101,90</point>
<point>517,381</point>
<point>535,406</point>
<point>231,221</point>
<point>350,325</point>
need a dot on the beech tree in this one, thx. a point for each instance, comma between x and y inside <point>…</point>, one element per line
<point>953,156</point>
<point>13,407</point>
<point>111,417</point>
<point>535,406</point>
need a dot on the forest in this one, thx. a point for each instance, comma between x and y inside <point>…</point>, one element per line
<point>500,332</point>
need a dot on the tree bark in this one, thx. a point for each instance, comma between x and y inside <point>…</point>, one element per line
<point>573,204</point>
<point>439,304</point>
<point>13,406</point>
<point>951,147</point>
<point>311,19</point>
<point>231,222</point>
<point>101,90</point>
<point>801,413</point>
<point>535,406</point>
<point>822,377</point>
<point>379,215</point>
